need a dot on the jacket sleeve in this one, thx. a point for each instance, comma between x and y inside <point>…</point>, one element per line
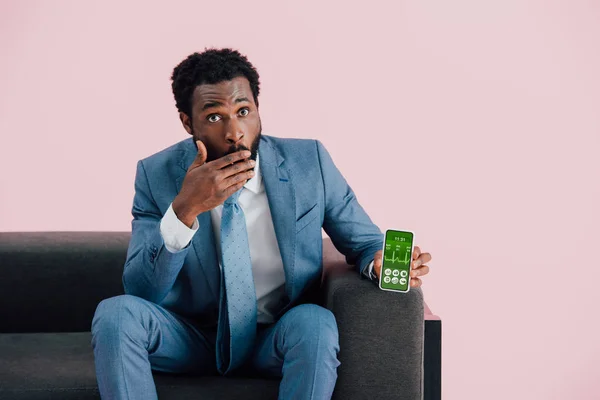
<point>150,269</point>
<point>345,221</point>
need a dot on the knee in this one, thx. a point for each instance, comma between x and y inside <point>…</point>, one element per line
<point>115,314</point>
<point>313,326</point>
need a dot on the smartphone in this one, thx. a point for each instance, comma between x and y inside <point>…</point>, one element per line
<point>397,259</point>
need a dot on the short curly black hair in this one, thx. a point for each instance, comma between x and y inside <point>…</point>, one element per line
<point>211,66</point>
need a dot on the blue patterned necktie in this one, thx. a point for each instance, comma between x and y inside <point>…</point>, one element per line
<point>237,304</point>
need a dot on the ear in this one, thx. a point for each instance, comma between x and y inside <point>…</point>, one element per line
<point>186,122</point>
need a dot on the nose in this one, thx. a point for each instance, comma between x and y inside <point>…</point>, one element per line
<point>234,132</point>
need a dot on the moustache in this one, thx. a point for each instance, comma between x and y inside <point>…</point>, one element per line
<point>234,149</point>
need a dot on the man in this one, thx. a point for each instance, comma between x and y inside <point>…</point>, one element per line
<point>226,241</point>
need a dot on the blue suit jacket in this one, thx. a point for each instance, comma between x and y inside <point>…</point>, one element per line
<point>306,192</point>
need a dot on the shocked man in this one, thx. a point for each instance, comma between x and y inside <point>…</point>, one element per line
<point>226,241</point>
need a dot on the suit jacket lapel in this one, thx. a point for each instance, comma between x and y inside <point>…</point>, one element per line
<point>203,241</point>
<point>282,202</point>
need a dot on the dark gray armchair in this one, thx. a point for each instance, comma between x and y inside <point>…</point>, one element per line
<point>51,283</point>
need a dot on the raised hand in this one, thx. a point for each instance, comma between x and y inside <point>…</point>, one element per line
<point>207,185</point>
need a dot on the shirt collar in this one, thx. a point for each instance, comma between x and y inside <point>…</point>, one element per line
<point>254,184</point>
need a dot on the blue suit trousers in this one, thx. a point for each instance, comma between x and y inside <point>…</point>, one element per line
<point>132,337</point>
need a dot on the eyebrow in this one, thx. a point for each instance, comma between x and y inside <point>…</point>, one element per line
<point>213,104</point>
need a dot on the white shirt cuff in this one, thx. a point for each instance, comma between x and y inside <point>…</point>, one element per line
<point>175,233</point>
<point>368,271</point>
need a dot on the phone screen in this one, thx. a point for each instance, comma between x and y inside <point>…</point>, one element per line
<point>397,257</point>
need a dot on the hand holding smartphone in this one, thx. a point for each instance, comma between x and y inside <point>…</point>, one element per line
<point>396,261</point>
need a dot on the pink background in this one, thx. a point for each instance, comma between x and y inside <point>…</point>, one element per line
<point>489,112</point>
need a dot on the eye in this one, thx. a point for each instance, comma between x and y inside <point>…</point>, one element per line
<point>213,118</point>
<point>244,112</point>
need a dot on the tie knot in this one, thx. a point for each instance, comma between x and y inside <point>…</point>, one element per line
<point>233,199</point>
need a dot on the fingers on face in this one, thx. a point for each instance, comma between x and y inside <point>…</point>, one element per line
<point>229,159</point>
<point>239,169</point>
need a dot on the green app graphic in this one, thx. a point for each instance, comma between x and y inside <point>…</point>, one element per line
<point>397,256</point>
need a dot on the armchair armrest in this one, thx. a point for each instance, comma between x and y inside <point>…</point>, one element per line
<point>381,337</point>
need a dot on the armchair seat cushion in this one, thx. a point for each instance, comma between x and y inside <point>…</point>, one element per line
<point>61,366</point>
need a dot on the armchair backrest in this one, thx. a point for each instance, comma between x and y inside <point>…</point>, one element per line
<point>53,281</point>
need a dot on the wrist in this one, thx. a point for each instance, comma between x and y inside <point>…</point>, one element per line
<point>183,212</point>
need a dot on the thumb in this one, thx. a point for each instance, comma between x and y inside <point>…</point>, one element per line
<point>202,153</point>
